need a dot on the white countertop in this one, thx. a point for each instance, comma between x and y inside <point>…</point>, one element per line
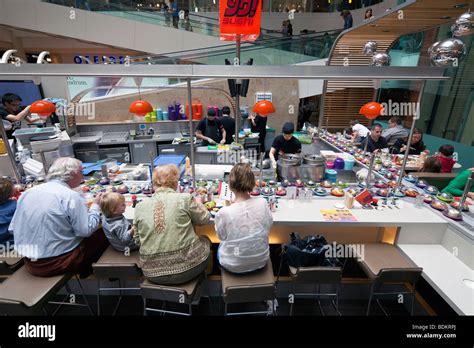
<point>298,212</point>
<point>301,212</point>
<point>445,273</point>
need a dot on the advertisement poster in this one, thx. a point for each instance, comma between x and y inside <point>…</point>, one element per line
<point>240,17</point>
<point>337,215</point>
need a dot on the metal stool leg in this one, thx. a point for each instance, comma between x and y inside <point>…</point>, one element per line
<point>413,298</point>
<point>293,299</point>
<point>84,295</point>
<point>318,294</point>
<point>370,298</point>
<point>98,297</point>
<point>208,288</point>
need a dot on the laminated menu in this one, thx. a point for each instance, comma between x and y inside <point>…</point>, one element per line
<point>334,215</point>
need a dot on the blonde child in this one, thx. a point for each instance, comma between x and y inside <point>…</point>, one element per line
<point>117,228</point>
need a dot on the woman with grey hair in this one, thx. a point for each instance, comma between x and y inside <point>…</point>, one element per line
<point>170,250</point>
<point>52,227</point>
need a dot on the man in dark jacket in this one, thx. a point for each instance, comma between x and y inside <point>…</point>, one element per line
<point>375,139</point>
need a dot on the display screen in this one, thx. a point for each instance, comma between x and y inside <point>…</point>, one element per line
<point>27,90</point>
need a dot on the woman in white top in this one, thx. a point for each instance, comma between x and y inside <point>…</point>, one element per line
<point>359,131</point>
<point>243,226</point>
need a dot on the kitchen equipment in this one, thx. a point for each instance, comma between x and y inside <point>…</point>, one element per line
<point>312,168</point>
<point>288,166</point>
<point>290,159</point>
<point>314,160</point>
<point>115,137</point>
<point>25,134</point>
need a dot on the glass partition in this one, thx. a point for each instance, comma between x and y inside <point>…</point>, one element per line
<point>213,5</point>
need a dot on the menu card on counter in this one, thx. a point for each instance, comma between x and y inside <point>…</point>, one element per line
<point>333,215</point>
<point>225,193</point>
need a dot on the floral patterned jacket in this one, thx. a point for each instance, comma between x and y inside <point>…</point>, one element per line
<point>164,230</point>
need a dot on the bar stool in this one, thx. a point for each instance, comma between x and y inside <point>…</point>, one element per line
<point>257,286</point>
<point>316,275</point>
<point>115,264</point>
<point>386,263</point>
<point>186,293</point>
<point>25,294</point>
<point>8,265</point>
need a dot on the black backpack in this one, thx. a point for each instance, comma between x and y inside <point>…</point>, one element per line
<point>306,252</point>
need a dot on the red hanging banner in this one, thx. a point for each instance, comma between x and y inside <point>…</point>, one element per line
<point>240,17</point>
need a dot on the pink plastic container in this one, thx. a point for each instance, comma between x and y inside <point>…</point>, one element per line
<point>329,164</point>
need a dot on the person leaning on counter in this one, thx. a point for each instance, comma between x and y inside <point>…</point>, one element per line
<point>416,146</point>
<point>395,130</point>
<point>284,143</point>
<point>210,129</point>
<point>456,186</point>
<point>12,111</point>
<point>375,139</point>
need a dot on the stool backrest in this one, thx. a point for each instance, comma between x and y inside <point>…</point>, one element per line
<point>318,275</point>
<point>249,293</point>
<point>401,275</point>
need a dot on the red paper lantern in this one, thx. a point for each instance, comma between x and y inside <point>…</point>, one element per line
<point>140,107</point>
<point>371,110</point>
<point>43,108</point>
<point>264,107</point>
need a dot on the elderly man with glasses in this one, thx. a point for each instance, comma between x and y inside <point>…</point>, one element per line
<point>53,228</point>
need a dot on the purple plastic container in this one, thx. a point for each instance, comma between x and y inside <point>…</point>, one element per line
<point>177,109</point>
<point>338,163</point>
<point>171,115</point>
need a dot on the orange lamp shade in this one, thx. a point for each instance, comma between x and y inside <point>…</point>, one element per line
<point>140,107</point>
<point>264,107</point>
<point>43,108</point>
<point>371,110</point>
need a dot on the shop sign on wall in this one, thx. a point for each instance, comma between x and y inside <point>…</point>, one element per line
<point>99,59</point>
<point>240,17</point>
<point>259,96</point>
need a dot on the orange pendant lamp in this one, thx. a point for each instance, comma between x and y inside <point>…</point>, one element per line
<point>43,108</point>
<point>140,107</point>
<point>371,110</point>
<point>264,108</point>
